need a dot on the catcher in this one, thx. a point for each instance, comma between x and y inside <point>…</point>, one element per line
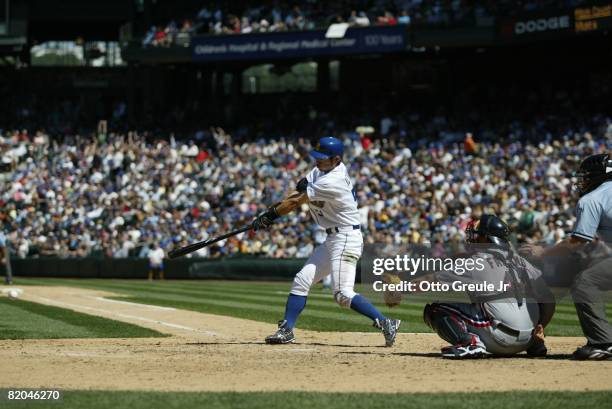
<point>499,323</point>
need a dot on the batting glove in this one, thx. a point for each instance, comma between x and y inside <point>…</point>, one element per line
<point>265,220</point>
<point>302,185</point>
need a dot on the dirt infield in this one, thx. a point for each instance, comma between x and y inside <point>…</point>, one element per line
<point>214,353</point>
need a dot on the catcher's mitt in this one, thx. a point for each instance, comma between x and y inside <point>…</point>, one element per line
<point>392,298</point>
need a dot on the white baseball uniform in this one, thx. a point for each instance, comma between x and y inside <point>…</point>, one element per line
<point>333,206</point>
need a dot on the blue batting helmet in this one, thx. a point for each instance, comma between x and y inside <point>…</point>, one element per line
<point>328,147</point>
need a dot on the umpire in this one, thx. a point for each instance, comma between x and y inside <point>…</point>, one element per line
<point>590,239</point>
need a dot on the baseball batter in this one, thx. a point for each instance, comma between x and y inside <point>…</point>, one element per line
<point>501,323</point>
<point>329,193</point>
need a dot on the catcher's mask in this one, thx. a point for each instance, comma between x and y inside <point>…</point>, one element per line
<point>489,226</point>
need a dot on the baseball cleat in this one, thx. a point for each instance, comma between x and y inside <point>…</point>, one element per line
<point>283,335</point>
<point>471,351</point>
<point>592,352</point>
<point>389,329</point>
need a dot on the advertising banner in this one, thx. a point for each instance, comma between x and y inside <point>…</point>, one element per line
<point>536,26</point>
<point>299,44</point>
<point>593,18</point>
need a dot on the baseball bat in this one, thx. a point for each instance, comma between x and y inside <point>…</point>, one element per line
<point>197,246</point>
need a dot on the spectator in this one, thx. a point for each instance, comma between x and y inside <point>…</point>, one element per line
<point>308,15</point>
<point>387,19</point>
<point>82,197</point>
<point>4,259</point>
<point>469,144</point>
<point>404,18</point>
<point>156,262</point>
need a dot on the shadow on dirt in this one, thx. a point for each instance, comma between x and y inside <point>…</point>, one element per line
<point>436,355</point>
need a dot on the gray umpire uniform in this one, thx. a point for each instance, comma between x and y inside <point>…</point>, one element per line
<point>594,224</point>
<point>502,320</point>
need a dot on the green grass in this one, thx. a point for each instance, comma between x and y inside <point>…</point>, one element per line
<point>26,320</point>
<point>266,302</point>
<point>306,400</point>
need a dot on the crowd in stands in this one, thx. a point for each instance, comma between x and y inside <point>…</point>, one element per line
<point>115,195</point>
<point>418,176</point>
<point>215,18</point>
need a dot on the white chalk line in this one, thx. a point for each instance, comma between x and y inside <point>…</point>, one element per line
<point>164,323</point>
<point>153,307</point>
<point>7,290</point>
<point>129,316</point>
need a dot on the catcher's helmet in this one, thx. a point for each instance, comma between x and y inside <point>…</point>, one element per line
<point>593,171</point>
<point>489,226</point>
<point>328,147</point>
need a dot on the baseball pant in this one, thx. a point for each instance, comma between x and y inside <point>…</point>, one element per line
<point>337,256</point>
<point>504,328</point>
<point>588,294</point>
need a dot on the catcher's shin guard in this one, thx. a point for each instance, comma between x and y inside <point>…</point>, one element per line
<point>447,325</point>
